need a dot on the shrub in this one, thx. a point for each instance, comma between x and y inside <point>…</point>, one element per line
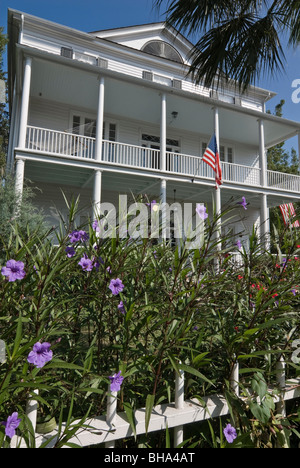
<point>121,307</point>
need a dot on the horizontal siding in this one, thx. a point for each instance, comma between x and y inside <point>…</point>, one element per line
<point>53,115</point>
<point>49,114</point>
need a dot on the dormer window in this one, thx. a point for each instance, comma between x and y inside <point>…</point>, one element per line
<point>162,49</point>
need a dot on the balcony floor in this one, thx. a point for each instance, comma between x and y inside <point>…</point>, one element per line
<point>124,181</point>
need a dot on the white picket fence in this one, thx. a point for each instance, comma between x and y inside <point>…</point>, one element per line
<point>113,426</point>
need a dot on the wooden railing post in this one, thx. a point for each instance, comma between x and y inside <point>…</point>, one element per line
<point>111,412</point>
<point>234,378</point>
<point>31,410</point>
<point>179,404</point>
<point>280,378</point>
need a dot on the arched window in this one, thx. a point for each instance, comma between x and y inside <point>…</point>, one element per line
<point>162,49</point>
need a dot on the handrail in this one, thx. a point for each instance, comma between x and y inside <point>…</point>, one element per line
<point>124,154</point>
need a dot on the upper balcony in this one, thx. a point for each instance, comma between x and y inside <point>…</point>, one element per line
<point>76,147</point>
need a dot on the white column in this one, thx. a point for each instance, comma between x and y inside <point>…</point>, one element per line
<point>262,155</point>
<point>97,192</point>
<point>217,190</point>
<point>25,103</point>
<point>100,119</point>
<point>264,220</point>
<point>19,177</point>
<point>163,131</point>
<point>217,133</point>
<point>163,202</point>
<point>163,137</point>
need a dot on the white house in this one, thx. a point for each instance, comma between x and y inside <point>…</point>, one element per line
<point>113,112</point>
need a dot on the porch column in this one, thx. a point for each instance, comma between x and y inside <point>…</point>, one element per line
<point>99,123</point>
<point>25,103</point>
<point>217,190</point>
<point>97,192</point>
<point>264,221</point>
<point>19,178</point>
<point>163,137</point>
<point>163,201</point>
<point>262,154</point>
<point>163,131</point>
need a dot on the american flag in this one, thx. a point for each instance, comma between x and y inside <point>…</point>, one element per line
<point>288,212</point>
<point>211,157</point>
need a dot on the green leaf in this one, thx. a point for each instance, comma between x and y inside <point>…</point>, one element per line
<point>259,385</point>
<point>195,372</point>
<point>18,337</point>
<point>260,412</point>
<point>149,406</point>
<point>130,416</point>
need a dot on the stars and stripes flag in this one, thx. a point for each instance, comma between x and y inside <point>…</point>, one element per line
<point>212,158</point>
<point>288,212</point>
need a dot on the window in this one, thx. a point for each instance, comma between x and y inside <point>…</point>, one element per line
<point>84,126</point>
<point>226,152</point>
<point>172,146</point>
<point>109,131</point>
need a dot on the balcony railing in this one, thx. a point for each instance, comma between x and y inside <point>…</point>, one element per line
<point>121,154</point>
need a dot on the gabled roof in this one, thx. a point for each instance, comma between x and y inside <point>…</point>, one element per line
<point>138,36</point>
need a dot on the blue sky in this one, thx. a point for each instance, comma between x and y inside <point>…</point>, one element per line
<point>91,15</point>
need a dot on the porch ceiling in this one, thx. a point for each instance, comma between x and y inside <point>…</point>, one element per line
<point>128,99</point>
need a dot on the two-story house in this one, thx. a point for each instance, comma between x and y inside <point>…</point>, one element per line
<point>114,112</point>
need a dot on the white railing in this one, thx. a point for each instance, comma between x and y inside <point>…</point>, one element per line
<point>62,143</point>
<point>290,182</point>
<point>130,155</point>
<point>68,144</point>
<point>240,173</point>
<point>115,426</point>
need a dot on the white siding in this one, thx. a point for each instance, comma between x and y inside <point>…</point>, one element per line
<point>49,114</point>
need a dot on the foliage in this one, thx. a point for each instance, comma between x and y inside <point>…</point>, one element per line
<point>278,157</point>
<point>4,127</point>
<point>179,311</point>
<point>25,220</point>
<point>235,40</point>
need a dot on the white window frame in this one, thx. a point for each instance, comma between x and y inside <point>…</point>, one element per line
<point>224,152</point>
<point>106,123</point>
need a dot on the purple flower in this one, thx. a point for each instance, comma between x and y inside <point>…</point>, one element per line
<point>108,269</point>
<point>121,307</point>
<point>40,354</point>
<point>14,270</point>
<point>11,424</point>
<point>230,433</point>
<point>201,211</point>
<point>86,263</point>
<point>152,204</point>
<point>78,236</point>
<point>243,203</point>
<point>116,286</point>
<point>238,244</point>
<point>95,225</point>
<point>116,382</point>
<point>70,251</point>
<point>294,291</point>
